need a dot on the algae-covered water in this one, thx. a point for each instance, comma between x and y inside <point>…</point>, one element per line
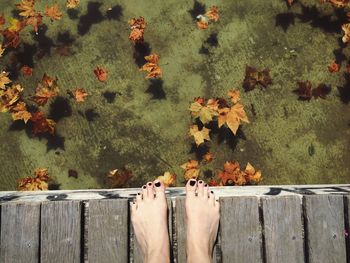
<point>142,124</point>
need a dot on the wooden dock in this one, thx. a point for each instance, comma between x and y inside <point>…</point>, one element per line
<point>258,224</point>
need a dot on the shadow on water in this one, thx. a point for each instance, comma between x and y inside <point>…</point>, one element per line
<point>198,9</point>
<point>156,89</point>
<point>44,43</point>
<point>140,51</point>
<point>285,20</point>
<point>91,114</point>
<point>200,150</point>
<point>60,108</point>
<point>73,13</point>
<point>115,13</point>
<point>211,41</point>
<point>93,16</point>
<point>344,91</point>
<point>65,38</point>
<point>109,96</point>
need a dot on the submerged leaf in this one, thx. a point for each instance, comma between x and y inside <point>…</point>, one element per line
<point>254,77</point>
<point>119,177</point>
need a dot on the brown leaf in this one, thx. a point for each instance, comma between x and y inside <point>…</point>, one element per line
<point>53,12</point>
<point>137,27</point>
<point>208,157</point>
<point>321,91</point>
<point>234,95</point>
<point>304,90</point>
<point>35,21</point>
<point>27,71</point>
<point>119,177</point>
<point>45,90</point>
<point>191,169</point>
<point>12,38</point>
<point>152,66</point>
<point>9,97</point>
<point>232,117</point>
<point>38,183</point>
<point>2,50</point>
<point>80,94</point>
<point>254,77</point>
<point>334,67</point>
<point>41,124</point>
<point>19,112</point>
<point>4,79</point>
<point>101,74</point>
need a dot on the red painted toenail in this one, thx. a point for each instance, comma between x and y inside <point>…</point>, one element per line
<point>200,181</point>
<point>192,182</point>
<point>144,187</point>
<point>212,192</point>
<point>157,184</point>
<point>149,184</point>
<point>206,185</point>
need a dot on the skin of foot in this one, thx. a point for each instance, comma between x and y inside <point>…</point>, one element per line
<point>149,219</point>
<point>203,214</point>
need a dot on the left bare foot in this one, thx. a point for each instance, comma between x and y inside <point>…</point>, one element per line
<point>149,219</point>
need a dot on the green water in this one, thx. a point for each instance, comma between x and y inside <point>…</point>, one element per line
<point>145,127</point>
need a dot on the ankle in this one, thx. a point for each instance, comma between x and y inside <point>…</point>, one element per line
<point>198,252</point>
<point>159,254</point>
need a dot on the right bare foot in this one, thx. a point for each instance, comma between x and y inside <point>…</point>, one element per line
<point>203,214</point>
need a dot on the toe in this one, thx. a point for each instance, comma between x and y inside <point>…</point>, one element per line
<point>206,190</point>
<point>212,197</point>
<point>191,187</point>
<point>200,188</point>
<point>133,207</point>
<point>150,190</point>
<point>159,188</point>
<point>144,191</point>
<point>138,198</point>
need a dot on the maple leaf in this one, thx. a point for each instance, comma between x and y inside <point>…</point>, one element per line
<point>254,77</point>
<point>213,182</point>
<point>53,12</point>
<point>208,157</point>
<point>16,25</point>
<point>37,183</point>
<point>234,95</point>
<point>204,113</point>
<point>119,177</point>
<point>72,3</point>
<point>232,116</point>
<point>334,67</point>
<point>167,179</point>
<point>202,22</point>
<point>101,74</point>
<point>191,169</point>
<point>41,124</point>
<point>199,135</point>
<point>252,175</point>
<point>26,7</point>
<point>337,3</point>
<point>19,112</point>
<point>45,90</point>
<point>4,79</point>
<point>152,66</point>
<point>2,50</point>
<point>35,21</point>
<point>12,38</point>
<point>80,94</point>
<point>346,29</point>
<point>231,175</point>
<point>27,71</point>
<point>290,2</point>
<point>137,27</point>
<point>304,90</point>
<point>213,13</point>
<point>321,91</point>
<point>9,97</point>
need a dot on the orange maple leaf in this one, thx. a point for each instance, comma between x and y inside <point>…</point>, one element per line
<point>53,12</point>
<point>72,3</point>
<point>12,38</point>
<point>4,79</point>
<point>119,177</point>
<point>213,13</point>
<point>37,183</point>
<point>334,67</point>
<point>27,71</point>
<point>45,90</point>
<point>208,157</point>
<point>137,27</point>
<point>234,95</point>
<point>35,21</point>
<point>41,124</point>
<point>19,112</point>
<point>252,175</point>
<point>152,66</point>
<point>101,74</point>
<point>80,94</point>
<point>9,97</point>
<point>26,7</point>
<point>167,179</point>
<point>192,169</point>
<point>232,116</point>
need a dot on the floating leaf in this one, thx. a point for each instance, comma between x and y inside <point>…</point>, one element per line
<point>2,50</point>
<point>19,112</point>
<point>167,179</point>
<point>80,94</point>
<point>208,157</point>
<point>119,177</point>
<point>41,124</point>
<point>27,71</point>
<point>45,90</point>
<point>152,66</point>
<point>53,12</point>
<point>101,74</point>
<point>9,97</point>
<point>199,135</point>
<point>4,79</point>
<point>321,91</point>
<point>191,169</point>
<point>254,77</point>
<point>38,183</point>
<point>232,117</point>
<point>304,90</point>
<point>137,27</point>
<point>72,3</point>
<point>204,113</point>
<point>334,67</point>
<point>234,95</point>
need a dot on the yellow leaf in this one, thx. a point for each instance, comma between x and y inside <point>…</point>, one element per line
<point>4,79</point>
<point>72,3</point>
<point>53,12</point>
<point>167,179</point>
<point>16,25</point>
<point>191,169</point>
<point>204,113</point>
<point>199,135</point>
<point>1,50</point>
<point>26,7</point>
<point>234,95</point>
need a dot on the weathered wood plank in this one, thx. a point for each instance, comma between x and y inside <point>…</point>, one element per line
<point>60,231</point>
<point>324,223</point>
<point>20,228</point>
<point>180,215</point>
<point>283,229</point>
<point>108,231</point>
<point>138,258</point>
<point>240,230</point>
<point>347,225</point>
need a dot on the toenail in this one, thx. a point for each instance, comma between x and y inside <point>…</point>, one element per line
<point>138,193</point>
<point>144,187</point>
<point>212,192</point>
<point>200,181</point>
<point>206,185</point>
<point>192,182</point>
<point>157,184</point>
<point>149,184</point>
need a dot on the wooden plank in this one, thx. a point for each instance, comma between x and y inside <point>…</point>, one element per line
<point>108,231</point>
<point>240,230</point>
<point>60,231</point>
<point>138,258</point>
<point>347,226</point>
<point>283,229</point>
<point>324,223</point>
<point>181,229</point>
<point>20,227</point>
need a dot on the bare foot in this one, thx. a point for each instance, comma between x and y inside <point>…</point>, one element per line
<point>149,219</point>
<point>203,214</point>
